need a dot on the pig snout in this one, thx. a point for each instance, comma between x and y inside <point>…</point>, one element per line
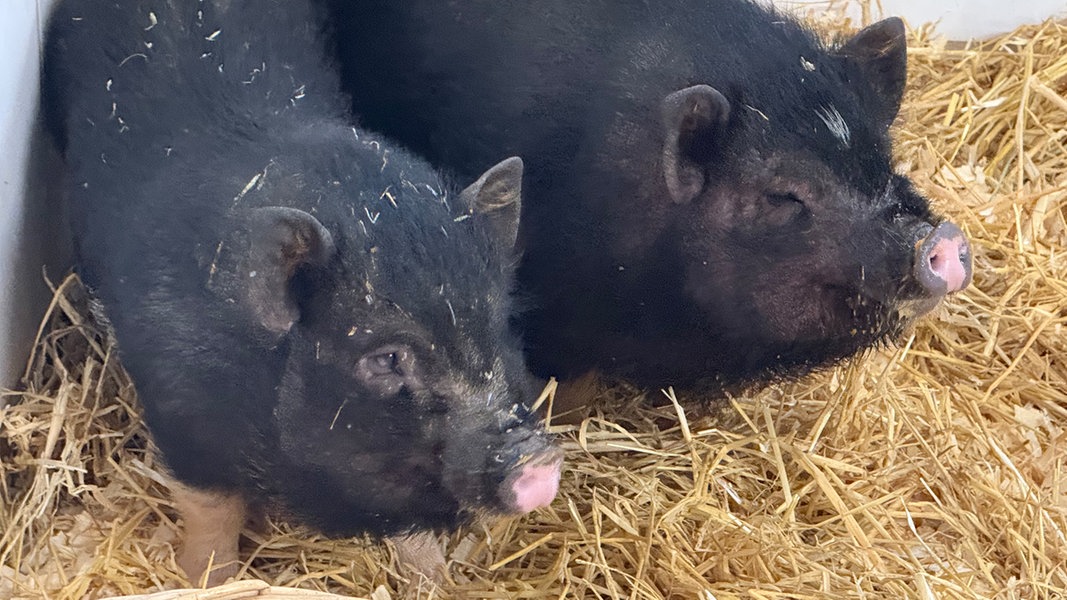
<point>943,260</point>
<point>535,483</point>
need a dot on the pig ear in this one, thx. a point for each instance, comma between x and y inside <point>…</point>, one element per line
<point>281,241</point>
<point>496,200</point>
<point>692,118</point>
<point>880,52</point>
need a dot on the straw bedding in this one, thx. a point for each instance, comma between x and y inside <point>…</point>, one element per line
<point>931,469</point>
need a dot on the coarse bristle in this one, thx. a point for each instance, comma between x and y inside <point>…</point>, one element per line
<point>931,469</point>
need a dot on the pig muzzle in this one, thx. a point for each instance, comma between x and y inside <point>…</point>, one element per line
<point>943,261</point>
<point>534,484</point>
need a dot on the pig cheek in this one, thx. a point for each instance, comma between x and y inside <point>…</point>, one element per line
<point>323,423</point>
<point>791,316</point>
<point>720,282</point>
<point>778,296</point>
<point>794,306</point>
<point>708,289</point>
<point>722,267</point>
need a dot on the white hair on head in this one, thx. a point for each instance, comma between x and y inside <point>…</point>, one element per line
<point>835,123</point>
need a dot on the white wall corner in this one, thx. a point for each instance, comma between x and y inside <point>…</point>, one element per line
<point>30,231</point>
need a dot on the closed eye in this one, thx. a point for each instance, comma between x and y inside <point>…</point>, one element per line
<point>785,209</point>
<point>783,199</point>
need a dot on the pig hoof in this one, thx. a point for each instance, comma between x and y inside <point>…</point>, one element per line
<point>196,567</point>
<point>213,525</point>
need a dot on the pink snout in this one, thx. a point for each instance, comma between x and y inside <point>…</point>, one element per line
<point>536,484</point>
<point>943,260</point>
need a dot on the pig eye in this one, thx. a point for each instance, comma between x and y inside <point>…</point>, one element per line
<point>783,199</point>
<point>387,369</point>
<point>784,209</point>
<point>388,361</point>
<point>381,364</point>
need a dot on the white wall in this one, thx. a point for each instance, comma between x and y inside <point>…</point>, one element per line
<point>31,234</point>
<point>955,19</point>
<point>28,232</point>
<point>962,19</point>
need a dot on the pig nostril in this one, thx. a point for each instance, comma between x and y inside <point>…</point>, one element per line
<point>937,264</point>
<point>948,264</point>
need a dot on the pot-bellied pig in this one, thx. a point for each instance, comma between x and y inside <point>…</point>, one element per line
<point>314,320</point>
<point>710,198</point>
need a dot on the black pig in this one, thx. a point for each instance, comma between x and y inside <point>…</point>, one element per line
<point>710,199</point>
<point>314,320</point>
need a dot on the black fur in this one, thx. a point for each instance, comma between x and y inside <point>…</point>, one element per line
<point>759,244</point>
<point>349,359</point>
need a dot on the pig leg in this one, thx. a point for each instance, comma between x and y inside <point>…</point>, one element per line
<point>420,556</point>
<point>213,523</point>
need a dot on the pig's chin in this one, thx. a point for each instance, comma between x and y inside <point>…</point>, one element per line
<point>898,314</point>
<point>911,310</point>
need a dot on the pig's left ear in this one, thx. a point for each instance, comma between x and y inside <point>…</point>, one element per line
<point>692,119</point>
<point>880,52</point>
<point>281,241</point>
<point>495,201</point>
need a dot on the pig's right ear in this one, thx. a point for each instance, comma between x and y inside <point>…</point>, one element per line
<point>880,52</point>
<point>692,119</point>
<point>496,200</point>
<point>281,241</point>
